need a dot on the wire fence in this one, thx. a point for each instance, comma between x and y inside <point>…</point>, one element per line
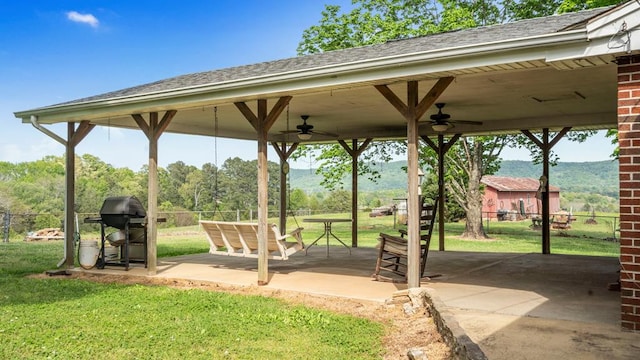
<point>24,225</point>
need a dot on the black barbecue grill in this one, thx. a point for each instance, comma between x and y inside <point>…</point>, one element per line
<point>126,214</point>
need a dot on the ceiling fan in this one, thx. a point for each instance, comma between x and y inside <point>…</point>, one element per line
<point>441,122</point>
<point>306,130</point>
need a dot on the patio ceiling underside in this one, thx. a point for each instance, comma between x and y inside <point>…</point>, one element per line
<point>505,98</point>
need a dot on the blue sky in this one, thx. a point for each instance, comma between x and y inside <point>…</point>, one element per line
<point>54,51</point>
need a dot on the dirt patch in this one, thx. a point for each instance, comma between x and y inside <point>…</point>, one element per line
<point>469,239</point>
<point>403,332</point>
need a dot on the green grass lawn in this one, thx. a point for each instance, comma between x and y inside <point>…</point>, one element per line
<point>505,236</point>
<point>55,318</point>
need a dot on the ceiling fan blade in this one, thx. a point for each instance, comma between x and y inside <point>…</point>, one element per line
<point>290,131</point>
<point>431,123</point>
<point>324,133</point>
<point>468,122</point>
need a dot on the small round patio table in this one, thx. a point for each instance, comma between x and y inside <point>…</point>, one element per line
<point>327,231</point>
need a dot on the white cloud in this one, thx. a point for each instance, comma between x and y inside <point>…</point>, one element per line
<point>17,153</point>
<point>88,19</point>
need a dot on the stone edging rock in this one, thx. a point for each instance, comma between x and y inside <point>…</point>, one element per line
<point>462,347</point>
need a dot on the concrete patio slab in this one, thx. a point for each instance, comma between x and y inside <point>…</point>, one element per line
<point>534,306</point>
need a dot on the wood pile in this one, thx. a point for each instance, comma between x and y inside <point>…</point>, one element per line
<point>45,234</point>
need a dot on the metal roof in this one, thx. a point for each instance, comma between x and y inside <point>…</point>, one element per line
<point>506,183</point>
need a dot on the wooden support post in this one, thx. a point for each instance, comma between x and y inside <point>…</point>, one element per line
<point>354,196</point>
<point>441,195</point>
<point>284,154</point>
<point>441,149</point>
<point>152,198</point>
<point>413,204</point>
<point>263,193</point>
<point>74,137</point>
<point>412,112</point>
<point>69,201</point>
<point>153,131</point>
<point>545,145</point>
<point>546,231</point>
<point>262,122</point>
<point>354,151</point>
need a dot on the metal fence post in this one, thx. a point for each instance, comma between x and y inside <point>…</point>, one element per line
<point>487,217</point>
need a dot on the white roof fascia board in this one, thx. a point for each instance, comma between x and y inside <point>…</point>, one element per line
<point>615,45</point>
<point>530,48</point>
<point>614,33</point>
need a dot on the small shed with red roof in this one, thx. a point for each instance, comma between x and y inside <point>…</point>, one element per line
<point>504,196</point>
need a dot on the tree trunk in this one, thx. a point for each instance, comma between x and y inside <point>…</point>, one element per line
<point>474,228</point>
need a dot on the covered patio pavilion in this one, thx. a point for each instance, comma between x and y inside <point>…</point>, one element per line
<point>543,75</point>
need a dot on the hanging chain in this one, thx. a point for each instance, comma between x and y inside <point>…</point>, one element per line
<point>215,141</point>
<point>215,159</point>
<point>289,210</point>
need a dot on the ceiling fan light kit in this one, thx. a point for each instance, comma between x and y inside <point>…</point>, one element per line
<point>304,136</point>
<point>440,127</point>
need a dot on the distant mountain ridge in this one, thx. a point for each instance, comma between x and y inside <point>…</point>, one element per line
<point>598,177</point>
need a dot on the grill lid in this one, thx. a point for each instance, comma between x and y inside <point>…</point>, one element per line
<point>116,210</point>
<point>123,205</point>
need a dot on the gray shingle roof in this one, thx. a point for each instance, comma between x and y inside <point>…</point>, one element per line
<point>460,38</point>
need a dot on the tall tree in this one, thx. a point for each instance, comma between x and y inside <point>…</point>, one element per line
<point>576,5</point>
<point>238,178</point>
<point>192,190</point>
<point>213,192</point>
<point>97,180</point>
<point>178,172</point>
<point>298,199</point>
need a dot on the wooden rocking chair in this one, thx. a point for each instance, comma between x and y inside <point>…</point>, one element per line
<point>392,254</point>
